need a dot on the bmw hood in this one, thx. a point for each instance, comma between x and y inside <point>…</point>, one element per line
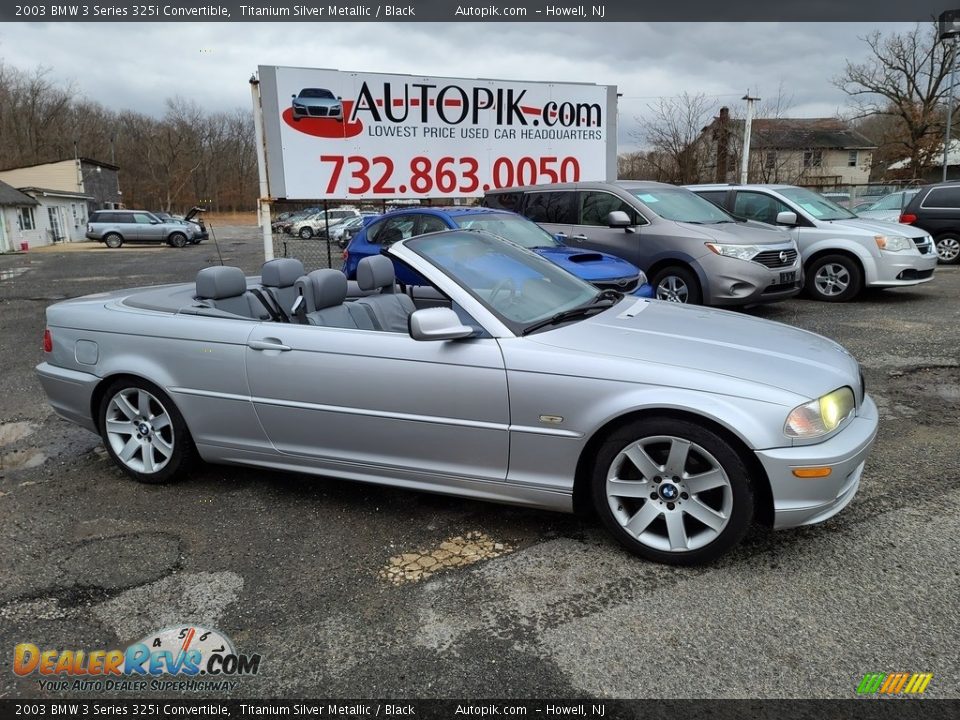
<point>712,341</point>
<point>882,227</point>
<point>588,265</point>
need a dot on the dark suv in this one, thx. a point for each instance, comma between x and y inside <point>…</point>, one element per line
<point>936,209</point>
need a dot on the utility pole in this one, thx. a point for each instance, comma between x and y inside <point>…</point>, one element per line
<point>745,155</point>
<point>949,28</point>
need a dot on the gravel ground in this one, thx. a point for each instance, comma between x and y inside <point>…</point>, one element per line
<point>521,603</point>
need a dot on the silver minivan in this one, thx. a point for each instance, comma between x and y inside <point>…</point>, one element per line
<point>842,253</point>
<point>692,251</point>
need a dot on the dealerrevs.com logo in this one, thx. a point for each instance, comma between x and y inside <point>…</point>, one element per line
<point>179,658</point>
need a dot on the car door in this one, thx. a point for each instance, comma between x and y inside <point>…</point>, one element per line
<point>764,207</point>
<point>367,401</point>
<point>591,232</point>
<point>149,228</point>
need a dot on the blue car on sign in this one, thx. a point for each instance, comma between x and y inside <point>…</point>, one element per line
<point>602,270</point>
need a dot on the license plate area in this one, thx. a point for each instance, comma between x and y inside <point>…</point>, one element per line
<point>787,277</point>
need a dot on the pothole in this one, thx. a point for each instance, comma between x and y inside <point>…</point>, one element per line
<point>21,459</point>
<point>459,551</point>
<point>933,391</point>
<point>11,432</point>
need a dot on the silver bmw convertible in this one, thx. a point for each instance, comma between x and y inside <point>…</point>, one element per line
<point>504,379</point>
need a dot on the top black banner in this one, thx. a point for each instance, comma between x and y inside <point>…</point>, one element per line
<point>692,11</point>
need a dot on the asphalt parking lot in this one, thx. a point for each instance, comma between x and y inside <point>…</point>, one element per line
<point>501,602</point>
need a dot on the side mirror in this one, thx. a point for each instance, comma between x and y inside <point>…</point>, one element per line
<point>618,218</point>
<point>294,95</point>
<point>786,218</point>
<point>154,222</point>
<point>437,323</point>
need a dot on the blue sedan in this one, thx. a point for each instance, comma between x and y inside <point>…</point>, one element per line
<point>602,270</point>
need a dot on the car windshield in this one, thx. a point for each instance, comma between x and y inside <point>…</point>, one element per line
<point>316,93</point>
<point>510,227</point>
<point>893,201</point>
<point>680,205</point>
<point>517,285</point>
<point>816,204</point>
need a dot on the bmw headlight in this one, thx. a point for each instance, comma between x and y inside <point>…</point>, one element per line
<point>821,416</point>
<point>893,243</point>
<point>741,252</point>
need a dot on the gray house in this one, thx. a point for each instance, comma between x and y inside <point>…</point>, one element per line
<point>18,219</point>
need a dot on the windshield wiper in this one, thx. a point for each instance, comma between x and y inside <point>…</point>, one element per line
<point>580,311</point>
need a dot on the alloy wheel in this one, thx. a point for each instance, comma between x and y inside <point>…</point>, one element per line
<point>139,430</point>
<point>948,249</point>
<point>673,289</point>
<point>832,279</point>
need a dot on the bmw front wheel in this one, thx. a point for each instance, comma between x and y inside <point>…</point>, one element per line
<point>672,491</point>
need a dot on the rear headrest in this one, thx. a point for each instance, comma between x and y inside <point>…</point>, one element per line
<point>323,288</point>
<point>216,283</point>
<point>375,272</point>
<point>281,273</point>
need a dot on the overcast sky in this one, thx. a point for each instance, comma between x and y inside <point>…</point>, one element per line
<point>138,65</point>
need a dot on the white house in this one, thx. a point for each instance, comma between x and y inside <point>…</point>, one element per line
<point>18,219</point>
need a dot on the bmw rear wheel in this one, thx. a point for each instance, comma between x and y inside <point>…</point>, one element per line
<point>144,432</point>
<point>672,491</point>
<point>948,249</point>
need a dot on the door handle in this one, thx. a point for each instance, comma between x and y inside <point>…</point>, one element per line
<point>580,237</point>
<point>268,344</point>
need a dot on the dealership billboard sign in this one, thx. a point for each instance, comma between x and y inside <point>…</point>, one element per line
<point>331,134</point>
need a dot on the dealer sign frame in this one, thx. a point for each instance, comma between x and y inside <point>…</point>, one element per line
<point>340,135</point>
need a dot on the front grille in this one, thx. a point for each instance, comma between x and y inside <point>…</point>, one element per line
<point>773,259</point>
<point>923,246</point>
<point>626,285</point>
<point>317,111</point>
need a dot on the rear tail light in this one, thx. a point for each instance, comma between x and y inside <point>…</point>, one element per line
<point>344,256</point>
<point>47,341</point>
<point>908,218</point>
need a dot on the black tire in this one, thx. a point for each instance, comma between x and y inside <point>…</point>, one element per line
<point>680,285</point>
<point>948,249</point>
<point>732,502</point>
<point>177,239</point>
<point>113,240</point>
<point>834,278</point>
<point>170,448</point>
<point>305,233</point>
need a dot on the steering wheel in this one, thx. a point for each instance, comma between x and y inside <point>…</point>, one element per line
<point>503,286</point>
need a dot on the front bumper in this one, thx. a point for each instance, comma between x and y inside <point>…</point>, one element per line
<point>69,393</point>
<point>897,269</point>
<point>805,501</point>
<point>731,281</point>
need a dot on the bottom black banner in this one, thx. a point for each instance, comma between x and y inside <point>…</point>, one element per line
<point>861,709</point>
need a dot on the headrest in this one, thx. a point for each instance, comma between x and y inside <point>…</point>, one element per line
<point>375,272</point>
<point>328,288</point>
<point>281,273</point>
<point>221,281</point>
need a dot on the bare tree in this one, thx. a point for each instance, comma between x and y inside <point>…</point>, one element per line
<point>904,79</point>
<point>671,131</point>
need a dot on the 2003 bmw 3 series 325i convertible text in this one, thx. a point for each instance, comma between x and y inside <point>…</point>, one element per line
<point>679,425</point>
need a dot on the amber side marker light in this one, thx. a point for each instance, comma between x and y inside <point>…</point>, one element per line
<point>47,341</point>
<point>812,472</point>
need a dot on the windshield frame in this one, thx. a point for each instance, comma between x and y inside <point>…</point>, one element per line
<point>590,295</point>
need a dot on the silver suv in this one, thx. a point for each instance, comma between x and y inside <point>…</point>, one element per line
<point>692,251</point>
<point>115,227</point>
<point>842,253</point>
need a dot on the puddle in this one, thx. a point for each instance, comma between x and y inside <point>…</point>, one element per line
<point>933,391</point>
<point>21,459</point>
<point>11,273</point>
<point>11,432</point>
<point>459,551</point>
